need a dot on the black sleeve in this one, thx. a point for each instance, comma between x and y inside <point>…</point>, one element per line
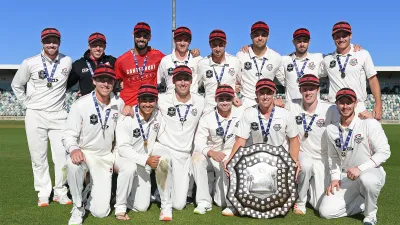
<point>73,77</point>
<point>112,60</point>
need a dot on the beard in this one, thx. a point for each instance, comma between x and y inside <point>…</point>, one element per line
<point>141,48</point>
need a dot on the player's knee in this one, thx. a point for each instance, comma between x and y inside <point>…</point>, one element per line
<point>179,205</point>
<point>327,211</point>
<point>369,182</point>
<point>143,207</point>
<point>198,158</point>
<point>127,169</point>
<point>101,212</point>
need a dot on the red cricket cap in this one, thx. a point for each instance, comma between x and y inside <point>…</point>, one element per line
<point>182,31</point>
<point>182,70</point>
<point>301,32</point>
<point>259,25</point>
<point>217,34</point>
<point>147,90</point>
<point>265,83</point>
<point>97,37</point>
<point>346,93</point>
<point>224,90</point>
<point>104,70</point>
<point>142,26</point>
<point>341,26</point>
<point>50,32</point>
<point>309,79</point>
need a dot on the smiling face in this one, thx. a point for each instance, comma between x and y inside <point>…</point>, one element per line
<point>51,45</point>
<point>224,103</point>
<point>97,49</point>
<point>309,93</point>
<point>104,85</point>
<point>147,105</point>
<point>182,43</point>
<point>265,97</point>
<point>342,39</point>
<point>259,38</point>
<point>346,106</point>
<point>182,84</point>
<point>301,44</point>
<point>218,47</point>
<point>141,40</point>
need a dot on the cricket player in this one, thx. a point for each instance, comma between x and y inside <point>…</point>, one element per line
<point>312,115</point>
<point>88,139</point>
<point>348,68</point>
<point>180,56</point>
<point>135,138</point>
<point>40,83</point>
<point>356,150</point>
<point>83,68</point>
<point>181,111</point>
<point>213,142</point>
<point>217,68</point>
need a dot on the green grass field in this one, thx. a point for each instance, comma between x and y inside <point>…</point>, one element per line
<point>18,198</point>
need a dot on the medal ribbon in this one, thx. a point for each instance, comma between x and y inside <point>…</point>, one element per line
<point>342,69</point>
<point>99,114</point>
<point>186,61</point>
<point>145,137</point>
<point>49,78</point>
<point>301,72</point>
<point>90,67</point>
<point>308,128</point>
<point>220,126</point>
<point>221,75</point>
<point>262,65</point>
<point>344,146</point>
<point>141,72</point>
<point>179,113</point>
<point>265,132</point>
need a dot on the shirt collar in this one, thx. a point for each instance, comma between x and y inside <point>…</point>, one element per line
<point>317,109</point>
<point>176,102</point>
<point>232,116</point>
<point>152,117</point>
<point>252,55</point>
<point>335,54</point>
<point>48,59</point>
<point>294,57</point>
<point>175,59</point>
<point>112,101</point>
<point>212,63</point>
<point>352,124</point>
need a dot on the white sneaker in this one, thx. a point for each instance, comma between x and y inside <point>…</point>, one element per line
<point>77,216</point>
<point>299,209</point>
<point>166,214</point>
<point>43,202</point>
<point>370,221</point>
<point>63,200</point>
<point>202,209</point>
<point>229,211</point>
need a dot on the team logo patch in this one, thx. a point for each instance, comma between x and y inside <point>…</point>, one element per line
<point>42,74</point>
<point>171,111</point>
<point>270,67</point>
<point>311,66</point>
<point>156,127</point>
<point>209,74</point>
<point>289,68</point>
<point>353,62</point>
<point>337,142</point>
<point>229,136</point>
<point>277,127</point>
<point>231,71</point>
<point>298,120</point>
<point>85,70</point>
<point>136,133</point>
<point>93,119</point>
<point>194,112</point>
<point>115,117</point>
<point>170,70</point>
<point>219,131</point>
<point>65,72</point>
<point>332,64</point>
<point>247,65</point>
<point>358,139</point>
<point>320,122</point>
<point>254,126</point>
<point>237,124</point>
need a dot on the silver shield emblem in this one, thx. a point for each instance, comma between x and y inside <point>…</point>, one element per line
<point>262,181</point>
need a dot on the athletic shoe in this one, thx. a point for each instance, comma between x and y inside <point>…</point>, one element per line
<point>299,209</point>
<point>43,202</point>
<point>370,221</point>
<point>202,209</point>
<point>63,200</point>
<point>166,214</point>
<point>77,216</point>
<point>189,200</point>
<point>229,211</point>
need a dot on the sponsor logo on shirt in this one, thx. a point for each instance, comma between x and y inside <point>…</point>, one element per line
<point>136,133</point>
<point>171,111</point>
<point>247,65</point>
<point>320,122</point>
<point>231,71</point>
<point>93,119</point>
<point>254,126</point>
<point>64,72</point>
<point>311,66</point>
<point>209,74</point>
<point>358,138</point>
<point>298,120</point>
<point>85,70</point>
<point>332,64</point>
<point>270,67</point>
<point>277,127</point>
<point>134,70</point>
<point>353,62</point>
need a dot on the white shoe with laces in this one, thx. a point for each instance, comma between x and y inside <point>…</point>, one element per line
<point>43,202</point>
<point>202,209</point>
<point>63,200</point>
<point>299,209</point>
<point>77,216</point>
<point>166,214</point>
<point>229,211</point>
<point>370,220</point>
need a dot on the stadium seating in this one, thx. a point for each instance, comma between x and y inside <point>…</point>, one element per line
<point>10,106</point>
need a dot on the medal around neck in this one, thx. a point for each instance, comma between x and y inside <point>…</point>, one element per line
<point>49,85</point>
<point>262,181</point>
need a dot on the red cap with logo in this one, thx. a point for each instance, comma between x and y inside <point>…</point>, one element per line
<point>301,32</point>
<point>346,93</point>
<point>142,26</point>
<point>259,25</point>
<point>217,35</point>
<point>309,79</point>
<point>341,26</point>
<point>97,37</point>
<point>182,70</point>
<point>50,32</point>
<point>182,31</point>
<point>224,90</point>
<point>147,90</point>
<point>265,83</point>
<point>104,70</point>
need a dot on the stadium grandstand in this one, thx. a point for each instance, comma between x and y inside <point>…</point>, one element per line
<point>389,78</point>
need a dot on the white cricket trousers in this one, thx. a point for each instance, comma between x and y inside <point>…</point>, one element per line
<point>101,170</point>
<point>199,167</point>
<point>172,176</point>
<point>133,186</point>
<point>40,127</point>
<point>312,181</point>
<point>354,195</point>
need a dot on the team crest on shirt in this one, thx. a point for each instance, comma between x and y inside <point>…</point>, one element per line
<point>277,127</point>
<point>358,138</point>
<point>332,64</point>
<point>270,67</point>
<point>320,122</point>
<point>289,67</point>
<point>93,119</point>
<point>298,120</point>
<point>170,70</point>
<point>194,112</point>
<point>353,62</point>
<point>254,126</point>
<point>311,66</point>
<point>209,74</point>
<point>42,74</point>
<point>237,124</point>
<point>219,131</point>
<point>115,117</point>
<point>136,133</point>
<point>156,127</point>
<point>231,71</point>
<point>171,111</point>
<point>247,65</point>
<point>64,72</point>
<point>337,142</point>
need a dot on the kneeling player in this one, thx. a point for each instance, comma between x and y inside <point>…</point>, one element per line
<point>356,150</point>
<point>312,116</point>
<point>88,139</point>
<point>214,140</point>
<point>135,137</point>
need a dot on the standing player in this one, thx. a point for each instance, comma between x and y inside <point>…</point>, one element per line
<point>181,111</point>
<point>83,68</point>
<point>356,150</point>
<point>88,138</point>
<point>312,116</point>
<point>348,68</point>
<point>214,140</point>
<point>259,62</point>
<point>40,83</point>
<point>180,56</point>
<point>135,138</point>
<point>217,68</point>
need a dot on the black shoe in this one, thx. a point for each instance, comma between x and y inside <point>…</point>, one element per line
<point>189,200</point>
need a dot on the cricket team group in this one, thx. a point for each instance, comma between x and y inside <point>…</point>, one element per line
<point>183,117</point>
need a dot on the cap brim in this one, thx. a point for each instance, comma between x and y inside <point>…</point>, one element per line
<point>225,95</point>
<point>98,39</point>
<point>346,96</point>
<point>147,95</point>
<point>302,35</point>
<point>341,30</point>
<point>262,29</point>
<point>141,30</point>
<point>217,38</point>
<point>51,35</point>
<point>309,84</point>
<point>266,87</point>
<point>104,75</point>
